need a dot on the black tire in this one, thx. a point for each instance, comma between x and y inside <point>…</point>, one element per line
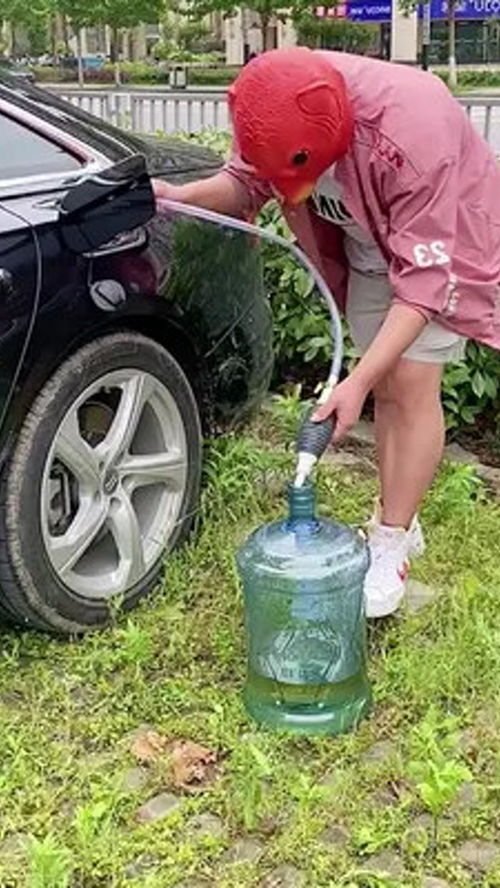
<point>31,593</point>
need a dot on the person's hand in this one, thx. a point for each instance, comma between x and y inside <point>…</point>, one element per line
<point>164,191</point>
<point>345,405</point>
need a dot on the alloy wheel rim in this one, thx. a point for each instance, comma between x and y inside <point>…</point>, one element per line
<point>113,484</point>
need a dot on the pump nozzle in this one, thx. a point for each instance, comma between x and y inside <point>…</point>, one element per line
<point>312,442</point>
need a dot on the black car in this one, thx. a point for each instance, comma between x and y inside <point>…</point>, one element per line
<point>115,358</point>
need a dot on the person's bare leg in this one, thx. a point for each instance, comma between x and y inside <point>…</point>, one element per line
<point>409,427</point>
<point>384,443</point>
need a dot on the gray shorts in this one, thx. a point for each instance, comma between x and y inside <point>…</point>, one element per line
<point>369,299</point>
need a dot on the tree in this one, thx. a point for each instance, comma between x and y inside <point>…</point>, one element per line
<point>81,15</point>
<point>266,10</point>
<point>452,59</point>
<point>119,16</point>
<point>190,36</point>
<point>30,20</point>
<point>334,33</point>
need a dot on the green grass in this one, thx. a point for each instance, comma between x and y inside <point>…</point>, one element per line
<point>67,709</point>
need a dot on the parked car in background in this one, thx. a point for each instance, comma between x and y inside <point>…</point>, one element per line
<point>16,70</point>
<point>113,362</point>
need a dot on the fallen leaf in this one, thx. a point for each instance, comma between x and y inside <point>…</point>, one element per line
<point>149,746</point>
<point>193,766</point>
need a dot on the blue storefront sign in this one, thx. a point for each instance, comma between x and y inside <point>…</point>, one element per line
<point>465,9</point>
<point>357,10</point>
<point>380,10</point>
<point>369,11</point>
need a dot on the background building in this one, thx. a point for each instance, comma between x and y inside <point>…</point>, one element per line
<point>243,36</point>
<point>477,28</point>
<point>243,33</point>
<point>397,34</point>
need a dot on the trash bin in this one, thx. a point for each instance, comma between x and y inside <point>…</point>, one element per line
<point>177,77</point>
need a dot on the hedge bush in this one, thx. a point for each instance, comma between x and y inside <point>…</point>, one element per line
<point>302,340</point>
<point>138,73</point>
<point>215,75</point>
<point>131,72</point>
<point>58,74</point>
<point>212,76</point>
<point>468,79</point>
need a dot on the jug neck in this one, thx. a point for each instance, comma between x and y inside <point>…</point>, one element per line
<point>302,505</point>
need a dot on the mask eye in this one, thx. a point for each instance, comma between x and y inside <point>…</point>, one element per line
<point>300,158</point>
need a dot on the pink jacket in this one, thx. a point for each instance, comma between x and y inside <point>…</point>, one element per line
<point>427,187</point>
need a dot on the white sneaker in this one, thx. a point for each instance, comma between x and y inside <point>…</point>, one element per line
<point>385,582</point>
<point>416,540</point>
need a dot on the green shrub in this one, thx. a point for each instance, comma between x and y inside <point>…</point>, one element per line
<point>104,75</point>
<point>143,72</point>
<point>217,140</point>
<point>140,72</point>
<point>212,76</point>
<point>471,388</point>
<point>48,74</point>
<point>335,33</point>
<point>170,52</point>
<point>468,79</point>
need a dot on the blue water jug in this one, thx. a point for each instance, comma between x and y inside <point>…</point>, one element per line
<point>303,583</point>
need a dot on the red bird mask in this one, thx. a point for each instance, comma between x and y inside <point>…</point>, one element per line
<point>292,119</point>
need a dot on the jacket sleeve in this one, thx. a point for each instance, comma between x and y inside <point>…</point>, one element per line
<point>254,192</point>
<point>421,238</point>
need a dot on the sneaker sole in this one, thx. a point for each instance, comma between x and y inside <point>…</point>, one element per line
<point>384,608</point>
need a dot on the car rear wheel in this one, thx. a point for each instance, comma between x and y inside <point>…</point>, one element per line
<point>103,480</point>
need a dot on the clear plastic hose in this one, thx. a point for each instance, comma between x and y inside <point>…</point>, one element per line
<point>314,436</point>
<point>302,258</point>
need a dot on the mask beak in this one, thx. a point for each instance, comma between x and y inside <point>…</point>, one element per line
<point>303,194</point>
<point>297,195</point>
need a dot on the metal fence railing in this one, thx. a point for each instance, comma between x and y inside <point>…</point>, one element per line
<point>484,111</point>
<point>169,111</point>
<point>153,111</point>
